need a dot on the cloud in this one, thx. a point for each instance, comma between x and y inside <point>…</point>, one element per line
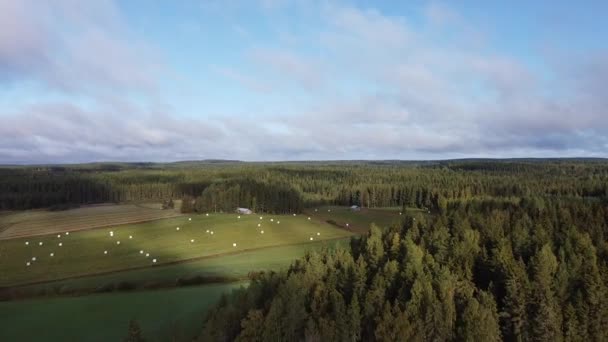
<point>74,47</point>
<point>359,83</point>
<point>440,100</point>
<point>70,133</point>
<point>23,46</point>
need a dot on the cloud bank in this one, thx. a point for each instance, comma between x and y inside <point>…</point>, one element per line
<point>368,86</point>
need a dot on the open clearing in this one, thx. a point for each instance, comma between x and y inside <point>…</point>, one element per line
<point>152,243</point>
<point>40,222</point>
<point>359,221</point>
<point>186,253</point>
<point>227,267</point>
<point>161,314</point>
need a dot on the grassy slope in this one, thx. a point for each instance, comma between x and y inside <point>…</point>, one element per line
<point>83,252</point>
<point>39,222</point>
<point>106,317</point>
<point>161,313</point>
<point>359,221</point>
<point>235,266</point>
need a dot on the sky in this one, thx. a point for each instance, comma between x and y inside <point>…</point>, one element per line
<point>266,80</point>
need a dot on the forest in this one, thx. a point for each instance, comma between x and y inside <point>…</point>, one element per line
<point>290,187</point>
<point>480,270</point>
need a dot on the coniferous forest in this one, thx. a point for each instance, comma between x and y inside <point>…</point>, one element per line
<point>290,187</point>
<point>511,252</point>
<point>478,271</point>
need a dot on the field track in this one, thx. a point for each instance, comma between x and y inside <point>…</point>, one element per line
<point>39,222</point>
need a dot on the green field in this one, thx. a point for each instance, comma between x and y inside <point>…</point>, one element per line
<point>80,266</point>
<point>40,222</point>
<point>232,266</point>
<point>83,252</point>
<point>359,221</point>
<point>162,314</point>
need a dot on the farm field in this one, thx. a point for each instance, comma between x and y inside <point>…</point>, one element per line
<point>162,314</point>
<point>58,256</point>
<point>40,222</point>
<point>232,266</point>
<point>359,221</point>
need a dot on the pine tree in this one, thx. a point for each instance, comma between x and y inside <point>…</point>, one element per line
<point>480,320</point>
<point>354,319</point>
<point>252,327</point>
<point>134,334</point>
<point>187,206</point>
<point>546,317</point>
<point>374,247</point>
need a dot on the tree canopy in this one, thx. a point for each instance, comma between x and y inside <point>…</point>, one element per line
<point>481,271</point>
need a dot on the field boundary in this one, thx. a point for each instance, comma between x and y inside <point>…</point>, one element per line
<point>176,262</point>
<point>102,225</point>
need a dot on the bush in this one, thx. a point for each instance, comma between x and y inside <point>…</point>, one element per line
<point>106,288</point>
<point>125,286</point>
<point>63,206</point>
<point>332,222</point>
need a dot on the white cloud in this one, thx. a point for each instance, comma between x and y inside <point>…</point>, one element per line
<point>72,46</point>
<point>375,87</point>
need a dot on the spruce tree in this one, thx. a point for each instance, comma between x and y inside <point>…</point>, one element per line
<point>134,334</point>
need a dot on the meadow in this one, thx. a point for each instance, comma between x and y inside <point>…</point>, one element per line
<point>359,221</point>
<point>203,248</point>
<point>229,267</point>
<point>134,246</point>
<point>40,222</point>
<point>163,315</point>
<point>173,313</point>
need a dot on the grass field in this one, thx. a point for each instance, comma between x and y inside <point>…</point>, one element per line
<point>162,314</point>
<point>40,222</point>
<point>235,266</point>
<point>359,221</point>
<point>83,253</point>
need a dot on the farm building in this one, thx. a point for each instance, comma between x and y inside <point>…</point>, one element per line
<point>244,211</point>
<point>355,208</point>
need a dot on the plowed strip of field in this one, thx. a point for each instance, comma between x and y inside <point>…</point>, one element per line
<point>35,223</point>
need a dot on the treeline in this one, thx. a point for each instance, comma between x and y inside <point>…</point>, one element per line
<point>480,271</point>
<point>226,196</point>
<point>366,184</point>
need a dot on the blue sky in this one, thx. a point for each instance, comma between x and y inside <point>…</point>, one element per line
<point>301,80</point>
